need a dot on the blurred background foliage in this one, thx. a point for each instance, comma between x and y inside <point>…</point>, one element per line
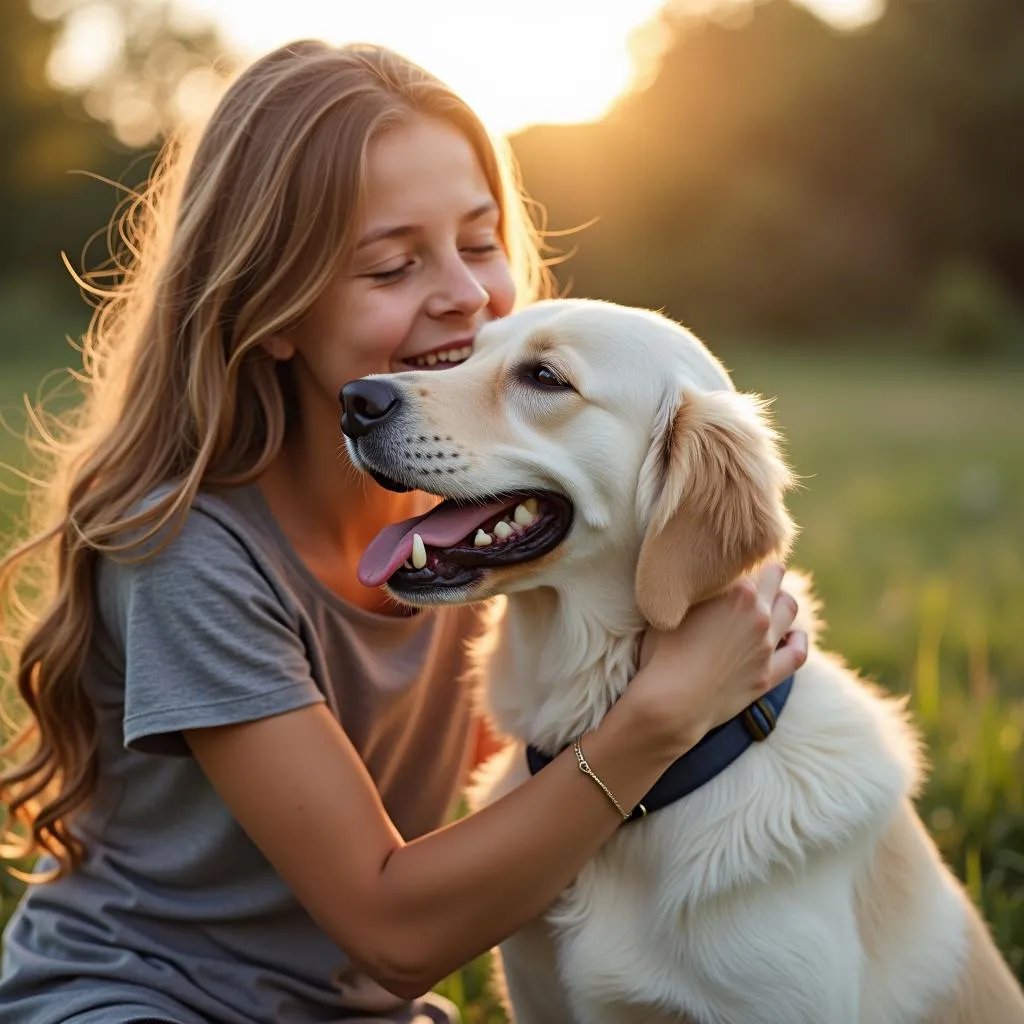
<point>775,175</point>
<point>837,213</point>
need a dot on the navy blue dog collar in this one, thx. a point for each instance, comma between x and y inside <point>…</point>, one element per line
<point>713,754</point>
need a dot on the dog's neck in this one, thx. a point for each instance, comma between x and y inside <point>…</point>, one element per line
<point>563,659</point>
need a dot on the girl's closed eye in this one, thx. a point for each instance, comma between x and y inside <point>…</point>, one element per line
<point>482,241</point>
<point>481,249</point>
<point>390,271</point>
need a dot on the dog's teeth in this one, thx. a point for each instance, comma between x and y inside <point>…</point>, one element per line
<point>407,564</point>
<point>482,540</point>
<point>502,530</point>
<point>523,516</point>
<point>531,506</point>
<point>419,552</point>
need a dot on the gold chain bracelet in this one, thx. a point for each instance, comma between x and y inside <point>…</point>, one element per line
<point>587,770</point>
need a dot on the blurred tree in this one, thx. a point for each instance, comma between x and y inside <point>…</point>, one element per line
<point>85,86</point>
<point>769,174</point>
<point>151,66</point>
<point>778,174</point>
<point>44,134</point>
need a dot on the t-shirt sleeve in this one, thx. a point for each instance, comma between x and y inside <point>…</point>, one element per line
<point>207,638</point>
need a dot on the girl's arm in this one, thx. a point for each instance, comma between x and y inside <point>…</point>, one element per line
<point>411,913</point>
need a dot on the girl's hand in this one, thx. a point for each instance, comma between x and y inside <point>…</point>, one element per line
<point>726,653</point>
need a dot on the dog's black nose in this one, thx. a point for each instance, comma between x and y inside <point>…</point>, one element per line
<point>366,404</point>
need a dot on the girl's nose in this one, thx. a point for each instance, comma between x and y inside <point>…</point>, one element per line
<point>458,291</point>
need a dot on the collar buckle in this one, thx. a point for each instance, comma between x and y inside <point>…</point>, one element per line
<point>759,720</point>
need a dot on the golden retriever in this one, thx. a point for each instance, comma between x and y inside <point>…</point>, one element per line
<point>600,469</point>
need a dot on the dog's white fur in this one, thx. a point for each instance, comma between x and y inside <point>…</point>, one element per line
<point>798,886</point>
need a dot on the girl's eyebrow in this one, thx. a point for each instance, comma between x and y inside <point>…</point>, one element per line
<point>403,230</point>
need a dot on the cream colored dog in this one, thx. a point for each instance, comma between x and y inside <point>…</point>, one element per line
<point>602,472</point>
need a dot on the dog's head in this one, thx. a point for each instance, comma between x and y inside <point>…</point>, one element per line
<point>579,434</point>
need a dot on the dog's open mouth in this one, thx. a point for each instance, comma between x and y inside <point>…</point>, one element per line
<point>456,542</point>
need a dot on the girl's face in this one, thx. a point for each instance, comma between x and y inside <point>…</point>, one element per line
<point>428,272</point>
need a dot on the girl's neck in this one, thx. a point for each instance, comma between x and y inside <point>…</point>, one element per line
<point>330,512</point>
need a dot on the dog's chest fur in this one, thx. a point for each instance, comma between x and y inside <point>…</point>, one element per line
<point>737,902</point>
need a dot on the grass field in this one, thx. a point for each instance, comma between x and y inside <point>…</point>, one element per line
<point>912,517</point>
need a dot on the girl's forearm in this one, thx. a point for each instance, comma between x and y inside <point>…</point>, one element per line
<point>455,893</point>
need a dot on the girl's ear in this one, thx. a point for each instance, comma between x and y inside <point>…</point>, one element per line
<point>720,508</point>
<point>279,347</point>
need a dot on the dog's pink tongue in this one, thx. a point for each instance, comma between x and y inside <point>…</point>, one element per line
<point>440,528</point>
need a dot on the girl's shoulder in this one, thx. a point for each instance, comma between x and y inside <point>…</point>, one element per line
<point>198,627</point>
<point>214,521</point>
<point>213,549</point>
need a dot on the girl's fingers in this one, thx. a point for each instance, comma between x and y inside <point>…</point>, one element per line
<point>784,609</point>
<point>768,580</point>
<point>790,655</point>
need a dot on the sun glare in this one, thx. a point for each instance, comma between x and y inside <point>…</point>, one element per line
<point>535,61</point>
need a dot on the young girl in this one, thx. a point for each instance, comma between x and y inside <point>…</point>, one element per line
<point>237,760</point>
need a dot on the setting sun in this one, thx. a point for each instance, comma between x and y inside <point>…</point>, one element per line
<point>537,61</point>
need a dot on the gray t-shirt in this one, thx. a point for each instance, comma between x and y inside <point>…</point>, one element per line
<point>175,914</point>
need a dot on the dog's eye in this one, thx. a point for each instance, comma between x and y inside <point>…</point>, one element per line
<point>543,376</point>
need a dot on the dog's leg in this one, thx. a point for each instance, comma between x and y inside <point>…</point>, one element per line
<point>987,990</point>
<point>930,957</point>
<point>633,1013</point>
<point>535,991</point>
<point>783,953</point>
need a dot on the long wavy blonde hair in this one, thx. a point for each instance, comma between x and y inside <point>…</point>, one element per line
<point>222,250</point>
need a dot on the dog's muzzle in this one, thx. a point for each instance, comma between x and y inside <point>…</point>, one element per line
<point>367,405</point>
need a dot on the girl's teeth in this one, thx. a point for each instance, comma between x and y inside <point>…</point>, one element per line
<point>482,540</point>
<point>450,355</point>
<point>502,530</point>
<point>419,552</point>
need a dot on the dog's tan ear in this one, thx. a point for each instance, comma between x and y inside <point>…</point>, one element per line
<point>719,510</point>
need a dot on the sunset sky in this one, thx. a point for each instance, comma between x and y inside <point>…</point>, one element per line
<point>551,61</point>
